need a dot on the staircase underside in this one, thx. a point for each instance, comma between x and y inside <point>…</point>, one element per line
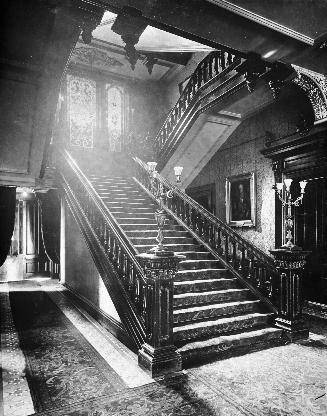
<point>213,314</point>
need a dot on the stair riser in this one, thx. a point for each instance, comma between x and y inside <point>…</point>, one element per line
<point>204,314</point>
<point>219,284</point>
<point>135,215</point>
<point>211,298</point>
<point>197,255</point>
<point>201,274</point>
<point>130,208</point>
<point>153,234</point>
<point>168,240</point>
<point>153,227</point>
<point>175,248</point>
<point>231,349</point>
<point>134,221</point>
<point>199,265</point>
<point>216,330</point>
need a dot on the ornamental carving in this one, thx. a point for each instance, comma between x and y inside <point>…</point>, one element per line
<point>94,57</point>
<point>315,87</point>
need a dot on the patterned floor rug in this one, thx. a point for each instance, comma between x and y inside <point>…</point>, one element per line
<point>180,396</point>
<point>61,366</point>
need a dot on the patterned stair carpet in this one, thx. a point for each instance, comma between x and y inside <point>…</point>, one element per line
<point>61,366</point>
<point>214,314</point>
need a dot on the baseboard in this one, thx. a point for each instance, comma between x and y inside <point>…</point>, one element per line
<point>106,321</point>
<point>315,309</point>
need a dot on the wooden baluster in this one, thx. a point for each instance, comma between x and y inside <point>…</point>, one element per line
<point>193,85</point>
<point>212,235</point>
<point>199,76</point>
<point>223,60</point>
<point>251,268</point>
<point>189,215</point>
<point>219,247</point>
<point>210,63</point>
<point>259,276</point>
<point>216,64</point>
<point>113,250</point>
<point>234,255</point>
<point>105,239</point>
<point>226,249</point>
<point>241,268</point>
<point>204,70</point>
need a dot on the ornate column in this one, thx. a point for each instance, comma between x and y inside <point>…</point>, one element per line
<point>290,265</point>
<point>158,355</point>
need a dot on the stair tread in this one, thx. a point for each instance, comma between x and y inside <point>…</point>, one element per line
<point>245,335</point>
<point>215,306</point>
<point>192,261</point>
<point>200,281</point>
<point>222,320</point>
<point>199,270</point>
<point>166,245</point>
<point>211,292</point>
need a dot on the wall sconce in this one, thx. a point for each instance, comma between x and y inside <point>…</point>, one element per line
<point>178,173</point>
<point>287,201</point>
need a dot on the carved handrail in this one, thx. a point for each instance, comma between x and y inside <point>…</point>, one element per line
<point>250,264</point>
<point>210,67</point>
<point>113,253</point>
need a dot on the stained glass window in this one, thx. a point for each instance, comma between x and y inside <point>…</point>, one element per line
<point>114,117</point>
<point>81,94</point>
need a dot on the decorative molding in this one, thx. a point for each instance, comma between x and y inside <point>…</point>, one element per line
<point>94,57</point>
<point>315,87</point>
<point>106,321</point>
<point>263,21</point>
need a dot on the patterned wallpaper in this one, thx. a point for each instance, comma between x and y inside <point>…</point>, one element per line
<point>241,154</point>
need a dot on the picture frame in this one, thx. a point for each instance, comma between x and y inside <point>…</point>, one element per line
<point>241,200</point>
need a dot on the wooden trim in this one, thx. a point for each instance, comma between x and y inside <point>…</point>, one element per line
<point>109,323</point>
<point>263,21</point>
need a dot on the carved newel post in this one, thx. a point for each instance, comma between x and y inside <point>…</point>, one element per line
<point>290,265</point>
<point>158,355</point>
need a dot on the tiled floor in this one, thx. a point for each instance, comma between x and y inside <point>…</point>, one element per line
<point>287,380</point>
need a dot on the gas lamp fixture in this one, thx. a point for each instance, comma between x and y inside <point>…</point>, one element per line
<point>286,200</point>
<point>160,215</point>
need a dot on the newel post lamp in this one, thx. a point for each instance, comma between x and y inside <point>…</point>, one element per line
<point>158,355</point>
<point>290,260</point>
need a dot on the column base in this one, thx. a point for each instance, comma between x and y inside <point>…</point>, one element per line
<point>159,361</point>
<point>294,330</point>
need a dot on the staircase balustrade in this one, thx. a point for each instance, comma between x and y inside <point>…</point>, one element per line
<point>209,68</point>
<point>109,245</point>
<point>251,265</point>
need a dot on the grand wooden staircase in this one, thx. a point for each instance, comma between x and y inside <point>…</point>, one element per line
<point>227,294</point>
<point>213,312</point>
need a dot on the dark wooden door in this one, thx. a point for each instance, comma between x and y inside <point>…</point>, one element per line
<point>310,234</point>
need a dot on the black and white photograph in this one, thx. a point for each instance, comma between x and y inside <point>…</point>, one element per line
<point>163,208</point>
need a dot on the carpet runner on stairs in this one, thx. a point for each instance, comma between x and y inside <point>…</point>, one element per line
<point>213,313</point>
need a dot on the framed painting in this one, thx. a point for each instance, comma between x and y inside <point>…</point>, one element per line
<point>241,200</point>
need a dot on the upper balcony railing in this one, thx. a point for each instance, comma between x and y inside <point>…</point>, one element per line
<point>207,70</point>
